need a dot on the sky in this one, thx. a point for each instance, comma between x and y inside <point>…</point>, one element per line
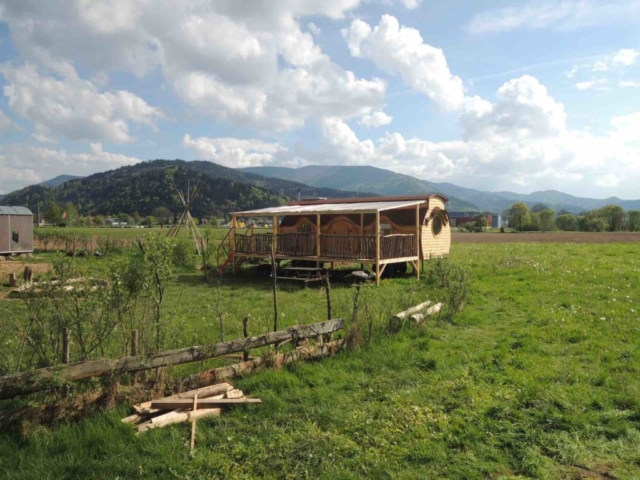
<point>495,95</point>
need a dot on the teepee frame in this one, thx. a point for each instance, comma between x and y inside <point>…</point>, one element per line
<point>186,218</point>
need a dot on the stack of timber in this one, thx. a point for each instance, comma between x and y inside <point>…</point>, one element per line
<point>186,406</point>
<point>417,314</point>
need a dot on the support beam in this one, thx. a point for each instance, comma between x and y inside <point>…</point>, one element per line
<point>274,246</point>
<point>318,232</point>
<point>417,252</point>
<point>378,272</point>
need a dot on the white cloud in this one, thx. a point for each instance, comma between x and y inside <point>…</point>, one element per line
<point>401,51</point>
<point>313,28</point>
<point>251,66</point>
<point>629,83</point>
<point>411,4</point>
<point>585,85</point>
<point>609,180</point>
<point>375,120</point>
<point>22,165</point>
<point>553,14</point>
<point>626,57</point>
<point>73,108</point>
<point>238,153</point>
<point>522,138</point>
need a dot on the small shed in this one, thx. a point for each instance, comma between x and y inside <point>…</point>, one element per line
<point>16,230</point>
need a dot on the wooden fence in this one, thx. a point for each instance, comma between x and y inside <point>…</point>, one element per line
<point>296,244</point>
<point>51,377</point>
<point>348,246</point>
<point>397,246</point>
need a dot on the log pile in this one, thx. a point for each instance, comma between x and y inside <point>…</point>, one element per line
<point>186,406</point>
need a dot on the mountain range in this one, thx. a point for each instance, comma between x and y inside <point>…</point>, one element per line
<point>147,185</point>
<point>386,182</point>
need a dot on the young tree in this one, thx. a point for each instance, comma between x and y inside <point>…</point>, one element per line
<point>163,214</point>
<point>70,214</point>
<point>567,222</point>
<point>148,221</point>
<point>547,218</point>
<point>539,208</point>
<point>633,220</point>
<point>519,216</point>
<point>213,221</point>
<point>98,220</point>
<point>53,213</point>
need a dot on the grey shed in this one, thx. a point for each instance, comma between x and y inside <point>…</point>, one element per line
<point>16,230</point>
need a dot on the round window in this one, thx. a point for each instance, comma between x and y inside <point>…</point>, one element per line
<point>436,225</point>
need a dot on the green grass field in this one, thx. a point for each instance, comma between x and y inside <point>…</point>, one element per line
<point>536,378</point>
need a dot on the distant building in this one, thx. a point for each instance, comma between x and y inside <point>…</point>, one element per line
<point>458,219</point>
<point>16,230</point>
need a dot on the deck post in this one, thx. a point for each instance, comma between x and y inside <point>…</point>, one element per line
<point>232,243</point>
<point>361,238</point>
<point>417,264</point>
<point>274,246</point>
<point>377,248</point>
<point>318,239</point>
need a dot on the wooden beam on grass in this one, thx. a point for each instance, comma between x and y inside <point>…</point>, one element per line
<point>202,403</point>
<point>46,378</point>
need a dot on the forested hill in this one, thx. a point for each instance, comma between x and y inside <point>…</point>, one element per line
<point>147,185</point>
<point>143,187</point>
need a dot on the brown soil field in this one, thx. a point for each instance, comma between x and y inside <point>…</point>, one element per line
<point>548,237</point>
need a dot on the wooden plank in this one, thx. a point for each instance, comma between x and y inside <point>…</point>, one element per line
<point>177,417</point>
<point>45,378</point>
<point>204,403</point>
<point>194,422</point>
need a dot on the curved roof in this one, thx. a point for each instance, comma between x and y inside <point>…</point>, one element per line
<point>15,211</point>
<point>328,208</point>
<point>400,198</point>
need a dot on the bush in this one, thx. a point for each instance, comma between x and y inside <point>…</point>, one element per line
<point>182,253</point>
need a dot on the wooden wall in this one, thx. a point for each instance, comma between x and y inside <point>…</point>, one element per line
<point>433,246</point>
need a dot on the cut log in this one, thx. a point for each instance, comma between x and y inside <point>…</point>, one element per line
<point>177,417</point>
<point>146,414</point>
<point>412,310</point>
<point>46,378</point>
<point>419,318</point>
<point>204,403</point>
<point>276,362</point>
<point>204,392</point>
<point>194,422</point>
<point>234,394</point>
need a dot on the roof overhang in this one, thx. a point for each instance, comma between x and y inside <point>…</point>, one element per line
<point>331,208</point>
<point>15,211</point>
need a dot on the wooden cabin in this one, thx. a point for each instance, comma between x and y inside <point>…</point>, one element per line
<point>376,231</point>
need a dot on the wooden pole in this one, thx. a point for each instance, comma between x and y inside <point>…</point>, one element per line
<point>28,274</point>
<point>13,280</point>
<point>377,248</point>
<point>193,422</point>
<point>232,243</point>
<point>134,351</point>
<point>417,264</point>
<point>66,344</point>
<point>361,238</point>
<point>318,226</point>
<point>245,331</point>
<point>274,286</point>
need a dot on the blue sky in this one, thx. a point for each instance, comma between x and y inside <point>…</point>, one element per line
<point>502,95</point>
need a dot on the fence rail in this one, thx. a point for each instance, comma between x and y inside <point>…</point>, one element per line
<point>52,377</point>
<point>348,247</point>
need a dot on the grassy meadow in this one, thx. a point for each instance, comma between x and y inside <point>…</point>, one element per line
<point>538,377</point>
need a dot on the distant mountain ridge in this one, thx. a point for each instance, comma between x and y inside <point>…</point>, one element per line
<point>361,179</point>
<point>147,185</point>
<point>59,180</point>
<point>386,182</point>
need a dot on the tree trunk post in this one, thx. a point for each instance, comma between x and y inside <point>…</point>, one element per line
<point>28,274</point>
<point>66,345</point>
<point>134,352</point>
<point>245,332</point>
<point>13,280</point>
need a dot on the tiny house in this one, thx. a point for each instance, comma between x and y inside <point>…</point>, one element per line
<point>376,231</point>
<point>16,230</point>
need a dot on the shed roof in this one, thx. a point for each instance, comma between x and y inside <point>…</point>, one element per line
<point>362,207</point>
<point>403,198</point>
<point>15,211</point>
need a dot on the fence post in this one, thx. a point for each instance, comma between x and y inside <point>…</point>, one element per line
<point>28,274</point>
<point>13,280</point>
<point>134,352</point>
<point>66,344</point>
<point>245,331</point>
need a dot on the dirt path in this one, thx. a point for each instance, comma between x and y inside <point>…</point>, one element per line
<point>549,237</point>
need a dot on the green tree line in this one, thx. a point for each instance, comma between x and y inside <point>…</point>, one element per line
<point>610,218</point>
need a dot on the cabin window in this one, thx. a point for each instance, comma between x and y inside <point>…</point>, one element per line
<point>15,236</point>
<point>305,227</point>
<point>436,225</point>
<point>385,229</point>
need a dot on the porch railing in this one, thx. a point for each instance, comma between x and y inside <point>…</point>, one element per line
<point>348,247</point>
